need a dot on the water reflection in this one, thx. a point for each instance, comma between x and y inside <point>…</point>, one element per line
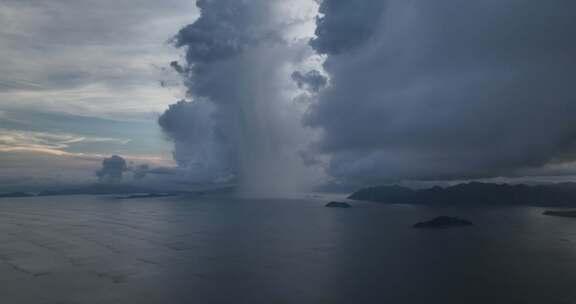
<point>92,250</point>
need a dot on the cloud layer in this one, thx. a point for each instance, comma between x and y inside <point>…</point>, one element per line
<point>99,58</point>
<point>80,80</point>
<point>411,89</point>
<point>446,90</point>
<point>241,120</point>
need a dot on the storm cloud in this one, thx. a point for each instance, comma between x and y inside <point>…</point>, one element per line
<point>429,90</point>
<point>113,169</point>
<point>199,146</point>
<point>240,119</point>
<point>312,80</point>
<point>344,25</point>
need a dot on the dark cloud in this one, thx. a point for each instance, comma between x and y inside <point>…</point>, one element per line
<point>113,169</point>
<point>225,29</point>
<point>312,80</point>
<point>198,144</point>
<point>177,67</point>
<point>238,123</point>
<point>344,25</point>
<point>446,90</point>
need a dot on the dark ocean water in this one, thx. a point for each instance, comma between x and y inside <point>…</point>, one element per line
<point>100,250</point>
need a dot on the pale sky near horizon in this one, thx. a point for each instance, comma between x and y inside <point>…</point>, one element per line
<point>81,80</point>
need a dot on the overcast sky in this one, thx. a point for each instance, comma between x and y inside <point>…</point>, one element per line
<point>80,79</point>
<point>434,90</point>
<point>359,92</point>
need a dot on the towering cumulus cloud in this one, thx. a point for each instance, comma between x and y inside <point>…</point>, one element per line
<point>446,89</point>
<point>198,144</point>
<point>241,120</point>
<point>113,169</point>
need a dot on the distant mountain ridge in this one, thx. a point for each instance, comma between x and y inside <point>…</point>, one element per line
<point>135,191</point>
<point>474,193</point>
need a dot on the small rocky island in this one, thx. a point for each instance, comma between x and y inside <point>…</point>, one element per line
<point>444,222</point>
<point>148,195</point>
<point>565,213</point>
<point>338,205</point>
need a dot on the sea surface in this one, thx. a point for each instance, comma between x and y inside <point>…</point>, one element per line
<point>87,249</point>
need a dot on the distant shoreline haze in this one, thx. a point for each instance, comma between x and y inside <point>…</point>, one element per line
<point>474,193</point>
<point>465,194</point>
<point>116,189</point>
